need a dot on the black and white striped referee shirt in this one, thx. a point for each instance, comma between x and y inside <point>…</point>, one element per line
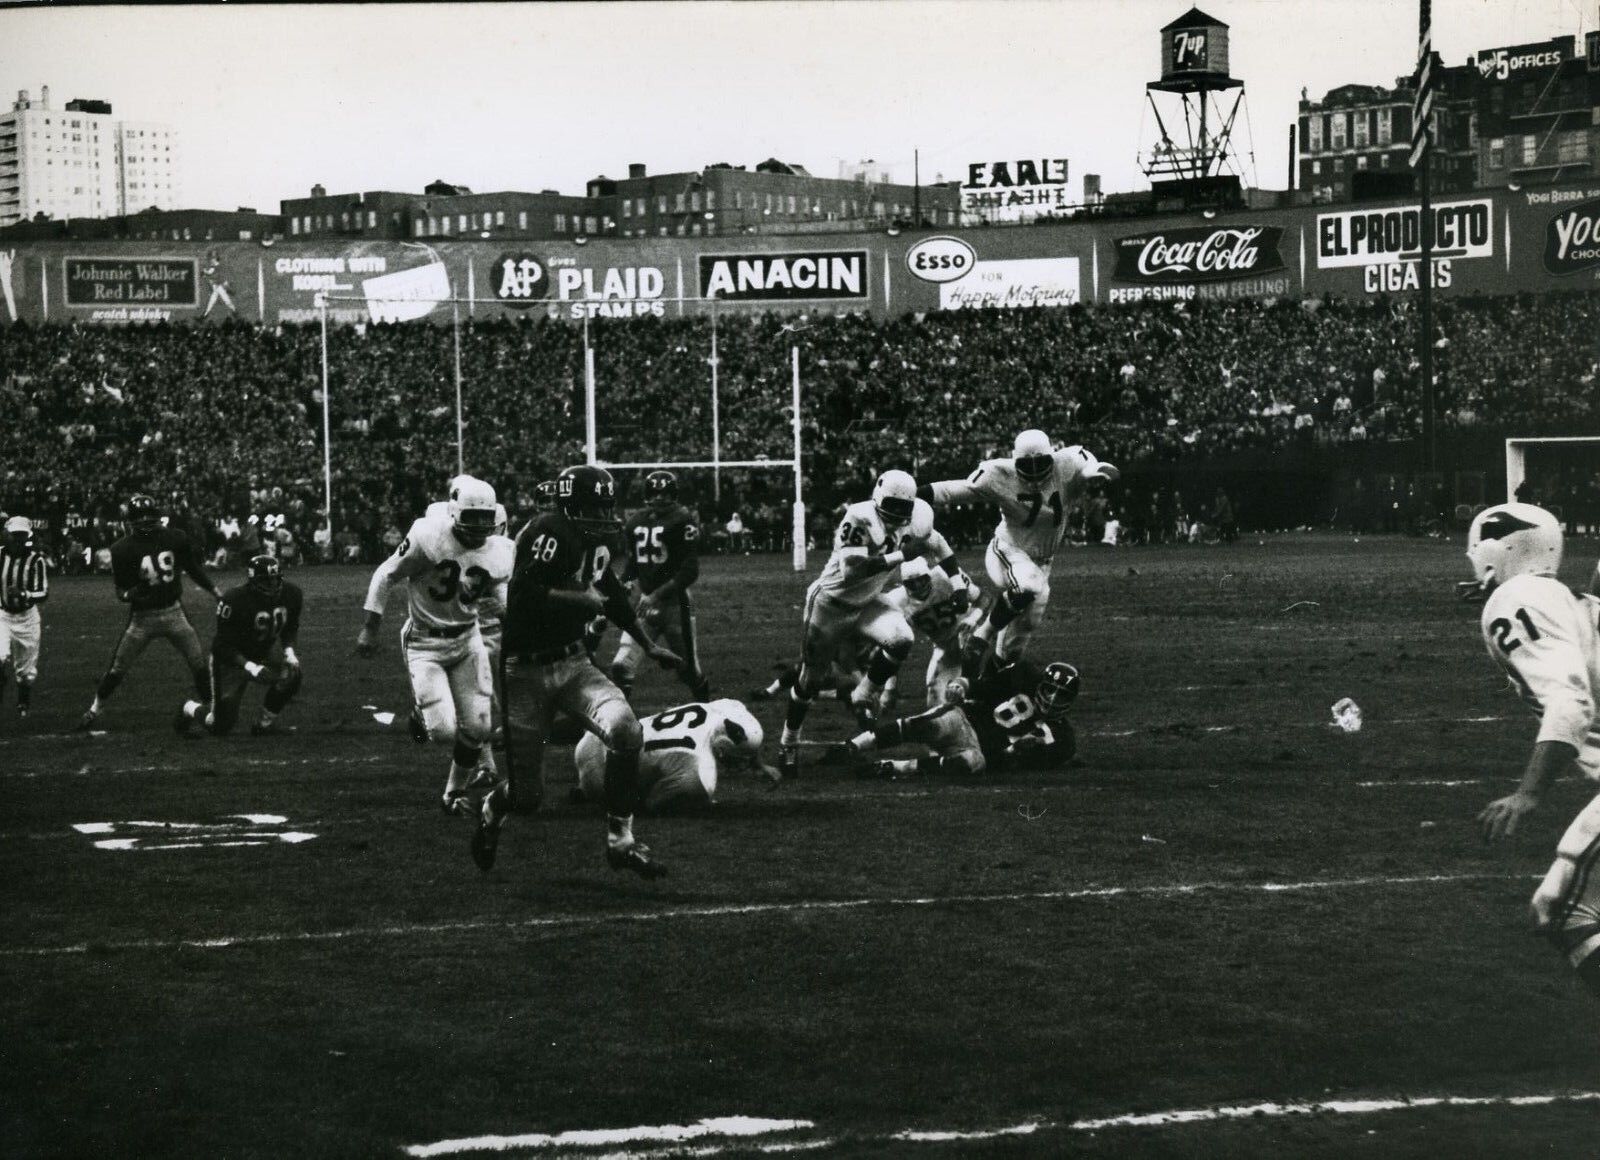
<point>23,581</point>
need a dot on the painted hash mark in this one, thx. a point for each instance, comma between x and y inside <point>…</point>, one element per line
<point>140,835</point>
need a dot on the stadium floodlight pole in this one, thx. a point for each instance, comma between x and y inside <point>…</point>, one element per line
<point>588,396</point>
<point>327,448</point>
<point>716,423</point>
<point>455,326</point>
<point>799,499</point>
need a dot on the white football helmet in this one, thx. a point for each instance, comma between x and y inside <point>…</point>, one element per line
<point>1513,539</point>
<point>502,519</point>
<point>1033,455</point>
<point>895,497</point>
<point>915,576</point>
<point>741,733</point>
<point>473,510</point>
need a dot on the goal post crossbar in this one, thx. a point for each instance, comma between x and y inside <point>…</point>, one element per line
<point>778,464</point>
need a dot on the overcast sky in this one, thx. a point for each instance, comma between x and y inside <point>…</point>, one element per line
<point>271,100</point>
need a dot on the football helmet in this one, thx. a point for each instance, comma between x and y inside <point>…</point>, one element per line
<point>19,530</point>
<point>1034,456</point>
<point>143,514</point>
<point>661,489</point>
<point>1511,539</point>
<point>502,519</point>
<point>895,497</point>
<point>918,580</point>
<point>1058,688</point>
<point>587,496</point>
<point>264,574</point>
<point>742,735</point>
<point>544,495</point>
<point>473,510</point>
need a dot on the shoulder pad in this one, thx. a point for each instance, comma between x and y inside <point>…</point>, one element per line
<point>921,525</point>
<point>437,510</point>
<point>862,511</point>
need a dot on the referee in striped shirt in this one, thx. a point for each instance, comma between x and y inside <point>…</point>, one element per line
<point>23,585</point>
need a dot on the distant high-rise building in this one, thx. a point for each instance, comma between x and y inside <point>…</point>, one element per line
<point>81,162</point>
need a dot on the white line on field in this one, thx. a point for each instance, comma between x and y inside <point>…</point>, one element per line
<point>88,769</point>
<point>720,1134</point>
<point>1480,782</point>
<point>745,909</point>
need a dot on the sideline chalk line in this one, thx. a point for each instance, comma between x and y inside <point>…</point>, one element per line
<point>745,1128</point>
<point>739,910</point>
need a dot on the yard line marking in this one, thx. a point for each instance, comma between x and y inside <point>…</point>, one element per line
<point>728,1127</point>
<point>1480,782</point>
<point>724,1140</point>
<point>87,769</point>
<point>247,820</point>
<point>747,909</point>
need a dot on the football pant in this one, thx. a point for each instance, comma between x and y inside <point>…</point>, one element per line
<point>835,631</point>
<point>19,643</point>
<point>1568,900</point>
<point>950,736</point>
<point>170,624</point>
<point>671,624</point>
<point>229,682</point>
<point>450,685</point>
<point>534,695</point>
<point>1013,571</point>
<point>669,779</point>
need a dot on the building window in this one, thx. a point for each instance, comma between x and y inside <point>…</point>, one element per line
<point>1361,161</point>
<point>1363,129</point>
<point>561,223</point>
<point>1497,152</point>
<point>294,226</point>
<point>589,225</point>
<point>1383,161</point>
<point>1337,126</point>
<point>1572,145</point>
<point>661,203</point>
<point>372,219</point>
<point>627,207</point>
<point>1530,149</point>
<point>678,203</point>
<point>1316,169</point>
<point>461,220</point>
<point>1338,164</point>
<point>711,199</point>
<point>694,201</point>
<point>791,205</point>
<point>738,199</point>
<point>522,219</point>
<point>416,228</point>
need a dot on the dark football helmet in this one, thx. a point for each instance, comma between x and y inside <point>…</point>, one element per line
<point>587,496</point>
<point>143,514</point>
<point>544,495</point>
<point>1058,688</point>
<point>264,574</point>
<point>661,489</point>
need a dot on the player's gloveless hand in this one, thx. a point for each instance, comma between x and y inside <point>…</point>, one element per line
<point>1500,818</point>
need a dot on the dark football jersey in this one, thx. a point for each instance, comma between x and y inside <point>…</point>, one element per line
<point>552,555</point>
<point>249,622</point>
<point>151,563</point>
<point>660,545</point>
<point>1004,708</point>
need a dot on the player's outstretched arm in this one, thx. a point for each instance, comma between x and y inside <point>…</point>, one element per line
<point>952,490</point>
<point>1501,817</point>
<point>622,614</point>
<point>196,570</point>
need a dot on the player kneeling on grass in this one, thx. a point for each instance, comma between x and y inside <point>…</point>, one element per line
<point>685,751</point>
<point>1013,718</point>
<point>1547,639</point>
<point>257,626</point>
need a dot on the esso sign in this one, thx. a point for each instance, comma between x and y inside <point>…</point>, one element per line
<point>942,259</point>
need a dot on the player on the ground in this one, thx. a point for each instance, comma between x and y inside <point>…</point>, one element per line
<point>1033,489</point>
<point>1547,639</point>
<point>24,585</point>
<point>937,610</point>
<point>685,750</point>
<point>147,566</point>
<point>449,567</point>
<point>1012,718</point>
<point>663,545</point>
<point>844,605</point>
<point>563,580</point>
<point>258,623</point>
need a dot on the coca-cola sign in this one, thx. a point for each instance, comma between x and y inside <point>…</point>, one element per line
<point>1572,239</point>
<point>1199,254</point>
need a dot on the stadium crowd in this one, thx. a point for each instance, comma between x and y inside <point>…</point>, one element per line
<point>224,423</point>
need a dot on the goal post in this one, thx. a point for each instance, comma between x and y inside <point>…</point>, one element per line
<point>1518,449</point>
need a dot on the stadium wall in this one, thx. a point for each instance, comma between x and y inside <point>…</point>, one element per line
<point>1489,242</point>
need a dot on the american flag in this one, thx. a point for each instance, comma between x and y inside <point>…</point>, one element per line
<point>1422,108</point>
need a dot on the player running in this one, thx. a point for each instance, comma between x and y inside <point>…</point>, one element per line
<point>563,580</point>
<point>1033,489</point>
<point>488,612</point>
<point>1013,718</point>
<point>662,542</point>
<point>938,611</point>
<point>24,585</point>
<point>1547,640</point>
<point>449,567</point>
<point>686,749</point>
<point>258,623</point>
<point>147,566</point>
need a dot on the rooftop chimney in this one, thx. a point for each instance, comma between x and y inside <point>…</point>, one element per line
<point>44,96</point>
<point>318,190</point>
<point>636,170</point>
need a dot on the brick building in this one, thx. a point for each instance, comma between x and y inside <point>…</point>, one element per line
<point>1538,108</point>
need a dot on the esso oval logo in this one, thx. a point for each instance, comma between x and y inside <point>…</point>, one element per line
<point>941,259</point>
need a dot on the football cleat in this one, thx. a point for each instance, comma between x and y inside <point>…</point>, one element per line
<point>865,710</point>
<point>456,801</point>
<point>486,838</point>
<point>634,856</point>
<point>789,762</point>
<point>181,723</point>
<point>87,721</point>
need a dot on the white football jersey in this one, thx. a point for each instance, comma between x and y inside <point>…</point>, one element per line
<point>862,533</point>
<point>488,612</point>
<point>679,760</point>
<point>446,582</point>
<point>921,538</point>
<point>934,617</point>
<point>1547,639</point>
<point>1033,519</point>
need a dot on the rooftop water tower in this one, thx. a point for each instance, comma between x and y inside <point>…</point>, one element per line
<point>1193,153</point>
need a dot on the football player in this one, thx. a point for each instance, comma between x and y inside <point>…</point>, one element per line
<point>147,566</point>
<point>563,580</point>
<point>450,567</point>
<point>488,611</point>
<point>662,542</point>
<point>685,751</point>
<point>1033,490</point>
<point>844,605</point>
<point>1014,717</point>
<point>1546,638</point>
<point>938,611</point>
<point>258,624</point>
<point>24,585</point>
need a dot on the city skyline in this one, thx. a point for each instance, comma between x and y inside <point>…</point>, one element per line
<point>391,97</point>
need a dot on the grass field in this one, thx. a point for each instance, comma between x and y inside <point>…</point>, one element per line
<point>1231,903</point>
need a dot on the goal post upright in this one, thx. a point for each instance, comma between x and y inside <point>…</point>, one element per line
<point>799,532</point>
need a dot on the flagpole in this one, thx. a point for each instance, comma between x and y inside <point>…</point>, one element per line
<point>1422,116</point>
